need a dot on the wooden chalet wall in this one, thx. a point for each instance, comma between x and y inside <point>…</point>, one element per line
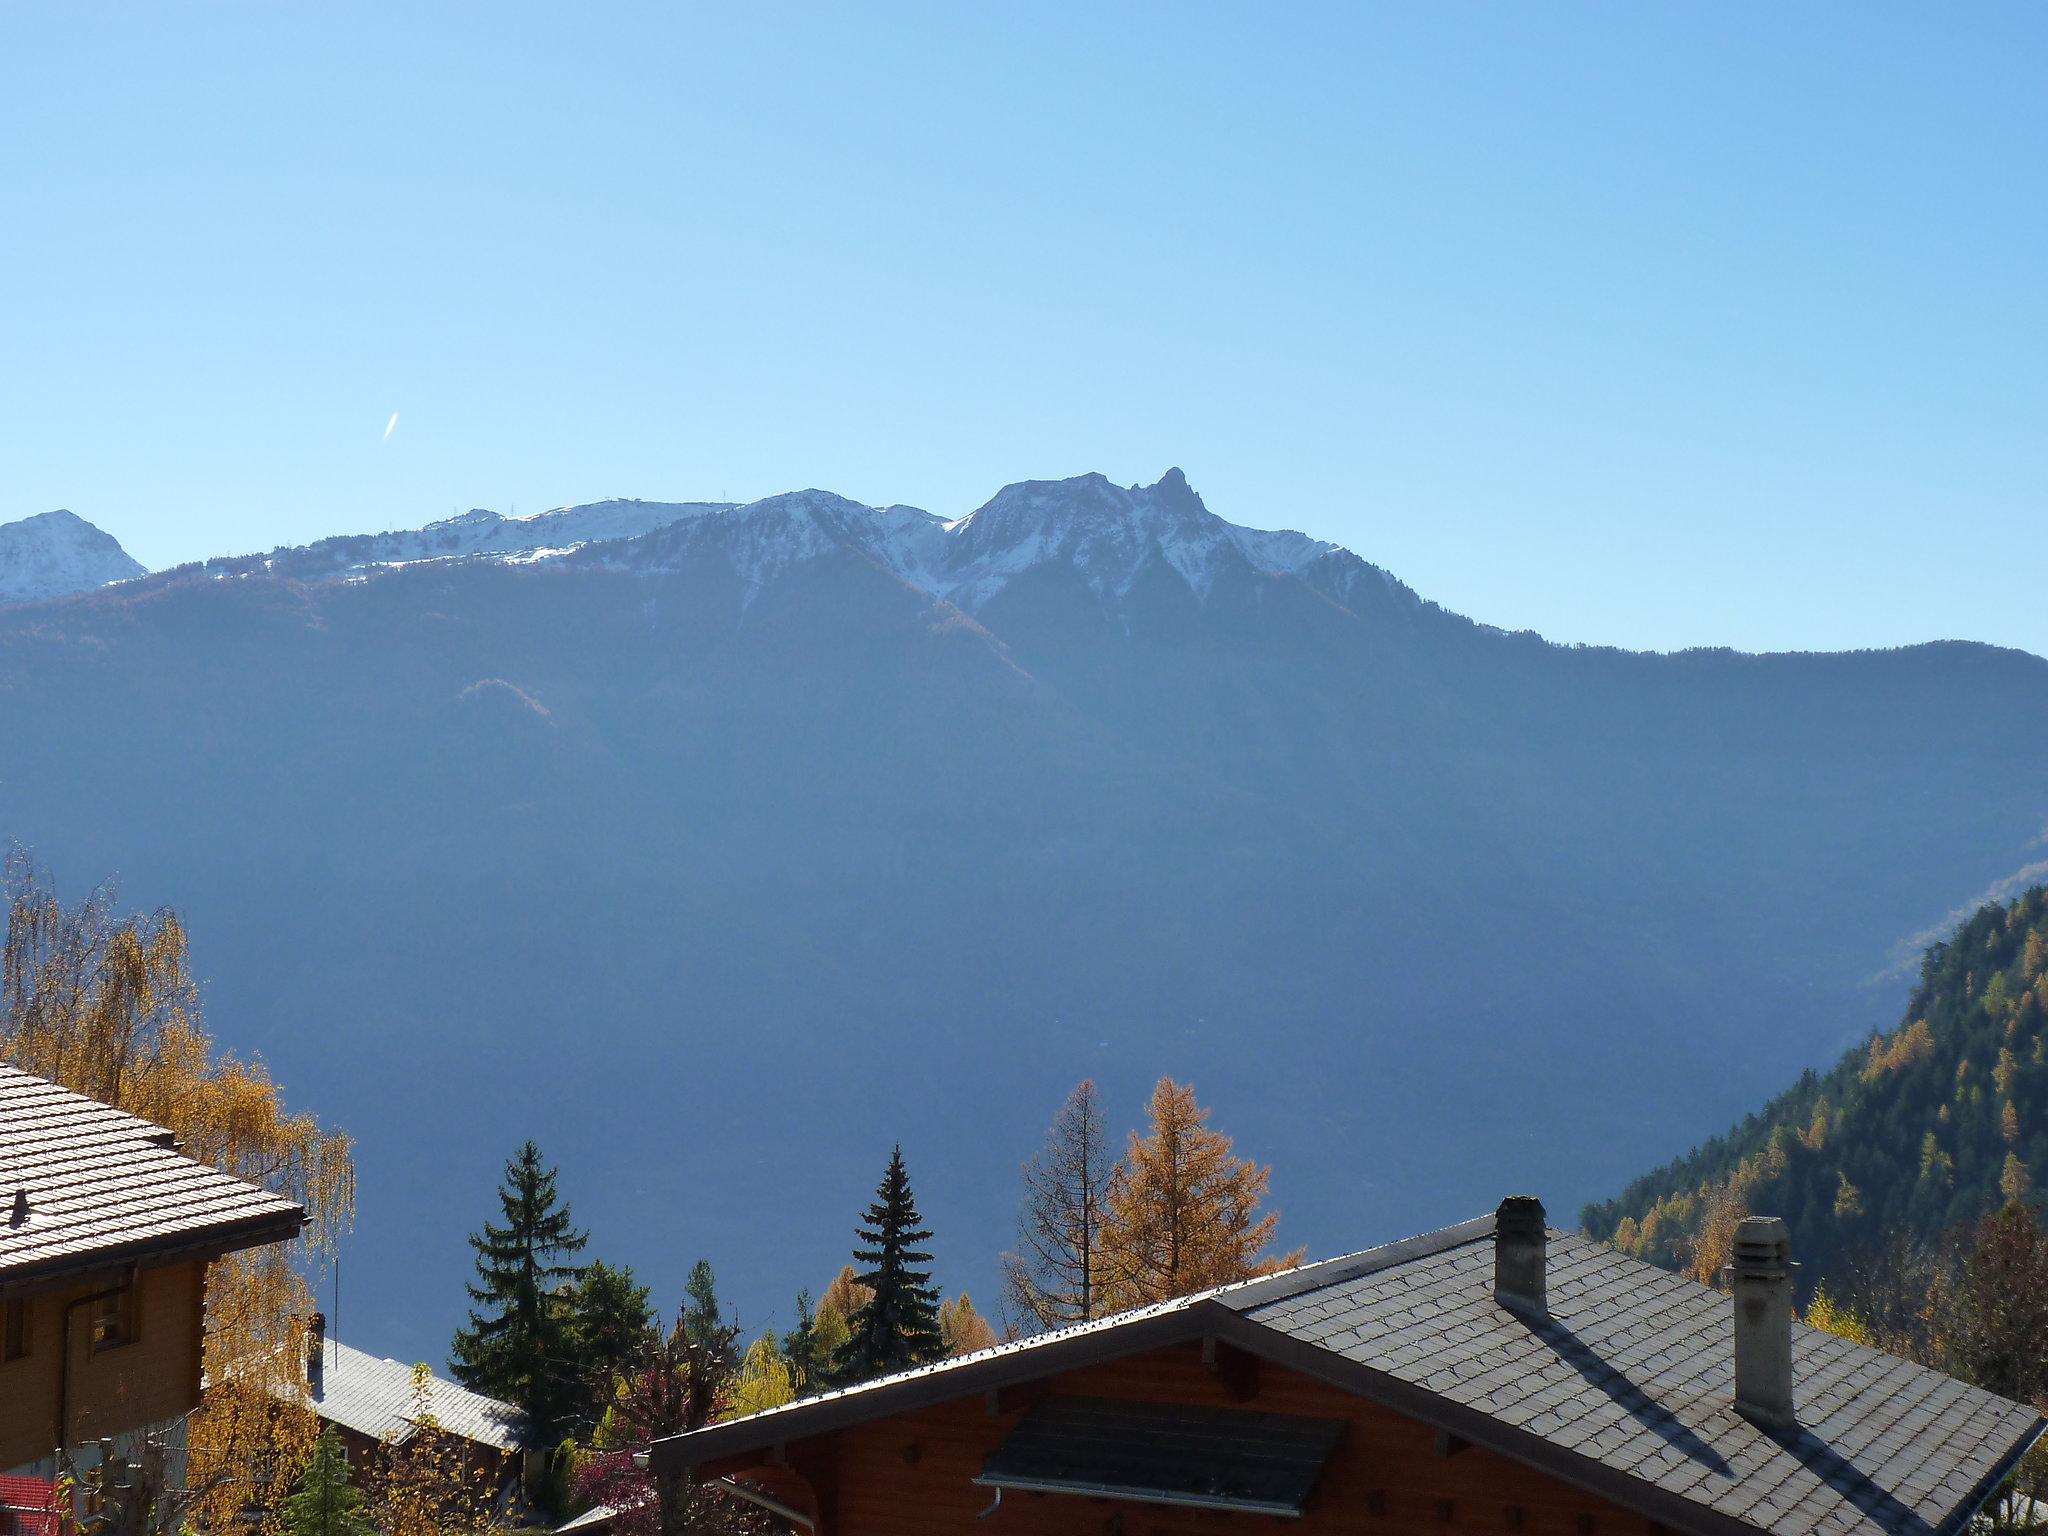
<point>911,1475</point>
<point>153,1378</point>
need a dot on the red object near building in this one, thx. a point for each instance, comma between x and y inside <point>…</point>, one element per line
<point>28,1506</point>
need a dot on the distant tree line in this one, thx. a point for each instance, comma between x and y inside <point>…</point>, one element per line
<point>577,1345</point>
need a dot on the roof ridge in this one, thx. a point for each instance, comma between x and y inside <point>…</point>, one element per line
<point>1247,1295</point>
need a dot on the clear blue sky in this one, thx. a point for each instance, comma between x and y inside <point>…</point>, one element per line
<point>1647,324</point>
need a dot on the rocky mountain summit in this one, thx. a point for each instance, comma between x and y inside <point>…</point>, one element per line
<point>56,554</point>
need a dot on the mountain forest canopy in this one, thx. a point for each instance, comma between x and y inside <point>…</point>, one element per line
<point>1913,1134</point>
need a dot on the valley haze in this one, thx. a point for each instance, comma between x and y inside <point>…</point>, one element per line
<point>692,835</point>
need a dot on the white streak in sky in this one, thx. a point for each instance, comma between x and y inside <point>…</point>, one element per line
<point>389,425</point>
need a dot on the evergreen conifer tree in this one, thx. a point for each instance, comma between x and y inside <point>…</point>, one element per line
<point>323,1503</point>
<point>800,1348</point>
<point>898,1326</point>
<point>518,1347</point>
<point>610,1327</point>
<point>703,1316</point>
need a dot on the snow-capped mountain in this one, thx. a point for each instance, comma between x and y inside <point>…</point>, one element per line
<point>55,554</point>
<point>763,539</point>
<point>1108,535</point>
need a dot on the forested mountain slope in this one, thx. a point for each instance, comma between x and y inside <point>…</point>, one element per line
<point>1916,1132</point>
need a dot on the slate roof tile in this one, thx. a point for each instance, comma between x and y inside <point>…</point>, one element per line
<point>104,1186</point>
<point>1634,1369</point>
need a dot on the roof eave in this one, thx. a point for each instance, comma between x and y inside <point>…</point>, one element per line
<point>1111,1339</point>
<point>1988,1485</point>
<point>680,1454</point>
<point>274,1226</point>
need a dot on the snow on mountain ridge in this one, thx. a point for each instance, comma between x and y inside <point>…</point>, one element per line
<point>1107,534</point>
<point>57,554</point>
<point>762,539</point>
<point>480,531</point>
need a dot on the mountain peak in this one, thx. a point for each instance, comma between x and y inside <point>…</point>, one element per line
<point>57,554</point>
<point>1109,534</point>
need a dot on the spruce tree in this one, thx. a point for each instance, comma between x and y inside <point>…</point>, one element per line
<point>611,1325</point>
<point>323,1504</point>
<point>800,1348</point>
<point>897,1327</point>
<point>518,1347</point>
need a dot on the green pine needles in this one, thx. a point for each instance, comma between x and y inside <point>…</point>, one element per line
<point>898,1327</point>
<point>519,1344</point>
<point>323,1503</point>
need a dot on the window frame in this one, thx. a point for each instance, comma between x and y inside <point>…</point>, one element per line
<point>115,1314</point>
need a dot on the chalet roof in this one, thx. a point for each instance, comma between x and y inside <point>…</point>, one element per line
<point>374,1397</point>
<point>84,1186</point>
<point>1625,1389</point>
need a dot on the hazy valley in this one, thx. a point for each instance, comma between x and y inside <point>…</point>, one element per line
<point>689,833</point>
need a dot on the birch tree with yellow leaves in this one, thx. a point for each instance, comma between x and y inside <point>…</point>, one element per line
<point>105,1005</point>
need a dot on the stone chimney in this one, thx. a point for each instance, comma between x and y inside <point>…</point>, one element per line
<point>316,1353</point>
<point>1518,1255</point>
<point>1761,1278</point>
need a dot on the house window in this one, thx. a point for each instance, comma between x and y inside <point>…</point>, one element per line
<point>14,1330</point>
<point>113,1316</point>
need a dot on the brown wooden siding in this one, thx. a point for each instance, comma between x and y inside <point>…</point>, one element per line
<point>154,1378</point>
<point>911,1475</point>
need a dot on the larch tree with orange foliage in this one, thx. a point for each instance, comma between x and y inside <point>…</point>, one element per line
<point>1713,1249</point>
<point>105,1005</point>
<point>1182,1212</point>
<point>963,1329</point>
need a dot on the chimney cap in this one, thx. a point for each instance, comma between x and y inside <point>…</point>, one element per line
<point>1762,1249</point>
<point>1761,1279</point>
<point>1519,1216</point>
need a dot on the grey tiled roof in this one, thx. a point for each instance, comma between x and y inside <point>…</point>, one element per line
<point>1634,1371</point>
<point>106,1187</point>
<point>374,1397</point>
<point>1625,1389</point>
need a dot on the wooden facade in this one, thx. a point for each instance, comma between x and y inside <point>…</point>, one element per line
<point>106,1233</point>
<point>911,1474</point>
<point>150,1376</point>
